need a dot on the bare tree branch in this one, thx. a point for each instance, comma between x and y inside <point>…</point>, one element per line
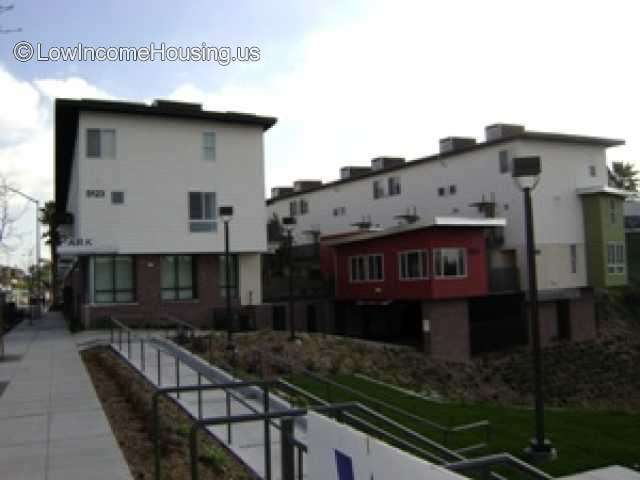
<point>8,218</point>
<point>5,9</point>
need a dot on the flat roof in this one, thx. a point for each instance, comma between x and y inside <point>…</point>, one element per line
<point>525,135</point>
<point>437,222</point>
<point>66,126</point>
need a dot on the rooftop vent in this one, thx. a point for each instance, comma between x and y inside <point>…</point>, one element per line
<point>499,131</point>
<point>280,191</point>
<point>382,163</point>
<point>453,144</point>
<point>350,172</point>
<point>172,105</point>
<point>304,185</point>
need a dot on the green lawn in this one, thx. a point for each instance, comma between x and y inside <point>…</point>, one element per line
<point>584,439</point>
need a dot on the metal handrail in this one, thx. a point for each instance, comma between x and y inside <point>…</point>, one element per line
<point>500,459</point>
<point>445,430</point>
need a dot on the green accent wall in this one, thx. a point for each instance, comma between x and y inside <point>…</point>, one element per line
<point>600,228</point>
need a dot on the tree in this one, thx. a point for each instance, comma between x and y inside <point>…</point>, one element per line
<point>624,176</point>
<point>49,219</point>
<point>7,218</point>
<point>4,9</point>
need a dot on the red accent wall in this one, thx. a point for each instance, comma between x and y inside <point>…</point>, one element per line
<point>391,287</point>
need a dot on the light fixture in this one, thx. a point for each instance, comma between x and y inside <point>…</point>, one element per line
<point>526,172</point>
<point>225,213</point>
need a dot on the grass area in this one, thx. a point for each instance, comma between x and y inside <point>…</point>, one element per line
<point>585,439</point>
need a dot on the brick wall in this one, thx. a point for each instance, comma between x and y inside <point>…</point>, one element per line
<point>149,304</point>
<point>450,333</point>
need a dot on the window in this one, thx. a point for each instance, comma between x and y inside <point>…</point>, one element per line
<point>117,198</point>
<point>615,258</point>
<point>304,206</point>
<point>378,189</point>
<point>612,210</point>
<point>592,170</point>
<point>202,211</point>
<point>450,262</point>
<point>394,185</point>
<point>101,143</point>
<point>339,211</point>
<point>293,208</point>
<point>209,146</point>
<point>414,265</point>
<point>178,277</point>
<point>573,251</point>
<point>365,268</point>
<point>113,279</point>
<point>504,161</point>
<point>233,276</point>
<point>441,191</point>
<point>452,189</point>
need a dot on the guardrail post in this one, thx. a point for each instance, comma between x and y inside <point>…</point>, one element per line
<point>177,376</point>
<point>287,454</point>
<point>228,415</point>
<point>142,357</point>
<point>267,434</point>
<point>199,397</point>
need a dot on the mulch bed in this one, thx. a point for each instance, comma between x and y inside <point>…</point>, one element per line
<point>126,399</point>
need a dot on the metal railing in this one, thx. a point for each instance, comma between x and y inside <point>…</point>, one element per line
<point>359,415</point>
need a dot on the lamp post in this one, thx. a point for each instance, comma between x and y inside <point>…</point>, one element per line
<point>289,223</point>
<point>226,213</point>
<point>526,173</point>
<point>36,202</point>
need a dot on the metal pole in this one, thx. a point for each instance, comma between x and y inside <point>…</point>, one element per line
<point>228,285</point>
<point>292,326</point>
<point>267,434</point>
<point>228,415</point>
<point>535,326</point>
<point>287,456</point>
<point>199,397</point>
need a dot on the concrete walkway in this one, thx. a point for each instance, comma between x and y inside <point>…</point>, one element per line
<point>52,425</point>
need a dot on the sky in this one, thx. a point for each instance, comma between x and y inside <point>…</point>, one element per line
<point>348,80</point>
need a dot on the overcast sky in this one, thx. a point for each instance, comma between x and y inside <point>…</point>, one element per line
<point>348,80</point>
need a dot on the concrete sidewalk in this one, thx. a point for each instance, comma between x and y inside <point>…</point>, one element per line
<point>52,425</point>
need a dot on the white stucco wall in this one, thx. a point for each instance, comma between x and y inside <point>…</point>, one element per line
<point>158,161</point>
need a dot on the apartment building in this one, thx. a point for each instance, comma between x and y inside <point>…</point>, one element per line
<point>138,188</point>
<point>579,229</point>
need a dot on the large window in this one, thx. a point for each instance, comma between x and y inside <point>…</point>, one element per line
<point>293,208</point>
<point>414,265</point>
<point>615,258</point>
<point>234,274</point>
<point>178,277</point>
<point>114,279</point>
<point>209,146</point>
<point>202,211</point>
<point>101,143</point>
<point>450,262</point>
<point>366,268</point>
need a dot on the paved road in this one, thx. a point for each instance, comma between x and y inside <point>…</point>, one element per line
<point>52,425</point>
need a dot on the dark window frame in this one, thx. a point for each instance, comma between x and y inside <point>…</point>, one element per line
<point>176,276</point>
<point>114,290</point>
<point>235,277</point>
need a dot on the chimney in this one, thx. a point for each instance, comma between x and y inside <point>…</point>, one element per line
<point>304,185</point>
<point>351,172</point>
<point>500,131</point>
<point>382,163</point>
<point>454,144</point>
<point>280,191</point>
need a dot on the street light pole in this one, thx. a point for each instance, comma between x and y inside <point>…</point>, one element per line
<point>226,213</point>
<point>526,171</point>
<point>289,224</point>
